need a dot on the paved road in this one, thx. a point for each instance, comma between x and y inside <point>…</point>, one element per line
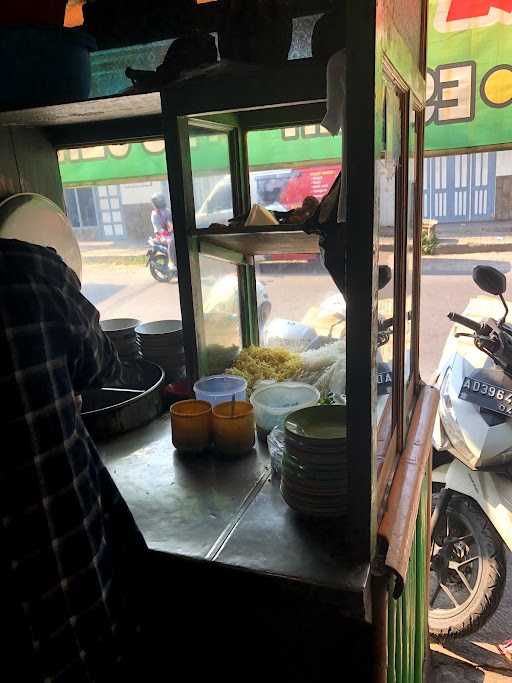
<point>446,285</point>
<point>129,291</point>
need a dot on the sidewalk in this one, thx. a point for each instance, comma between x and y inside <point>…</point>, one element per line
<point>448,667</point>
<point>120,253</point>
<point>464,238</point>
<point>467,245</point>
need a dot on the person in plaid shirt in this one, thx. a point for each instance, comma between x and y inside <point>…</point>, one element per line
<point>69,547</point>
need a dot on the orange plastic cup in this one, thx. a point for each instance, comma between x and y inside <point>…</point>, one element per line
<point>233,427</point>
<point>191,425</point>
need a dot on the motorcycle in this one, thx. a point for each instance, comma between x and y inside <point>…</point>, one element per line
<point>160,258</point>
<point>471,523</point>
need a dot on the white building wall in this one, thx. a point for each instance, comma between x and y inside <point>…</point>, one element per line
<point>140,193</point>
<point>504,163</point>
<point>387,195</point>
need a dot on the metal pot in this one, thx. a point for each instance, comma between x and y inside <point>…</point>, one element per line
<point>112,411</point>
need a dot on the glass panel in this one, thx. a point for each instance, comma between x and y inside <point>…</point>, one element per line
<point>115,277</point>
<point>108,67</point>
<point>213,196</point>
<point>72,207</point>
<point>289,164</point>
<point>221,308</point>
<point>301,38</point>
<point>300,309</point>
<point>411,231</point>
<point>388,175</point>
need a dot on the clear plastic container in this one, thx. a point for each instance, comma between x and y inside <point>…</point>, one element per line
<point>220,388</point>
<point>273,403</point>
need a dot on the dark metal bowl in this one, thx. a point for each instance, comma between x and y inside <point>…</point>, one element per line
<point>119,327</point>
<point>107,413</point>
<point>160,330</point>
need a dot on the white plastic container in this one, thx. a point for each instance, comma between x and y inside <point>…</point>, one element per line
<point>273,403</point>
<point>220,388</point>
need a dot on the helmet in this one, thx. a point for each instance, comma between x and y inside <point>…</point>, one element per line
<point>35,219</point>
<point>290,334</point>
<point>223,296</point>
<point>159,200</point>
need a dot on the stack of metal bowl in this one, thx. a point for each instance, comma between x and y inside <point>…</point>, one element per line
<point>121,332</point>
<point>162,343</point>
<point>314,477</point>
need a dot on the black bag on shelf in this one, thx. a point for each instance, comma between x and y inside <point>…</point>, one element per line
<point>329,33</point>
<point>188,52</point>
<point>259,32</point>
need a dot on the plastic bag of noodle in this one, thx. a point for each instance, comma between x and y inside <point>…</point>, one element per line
<point>275,441</point>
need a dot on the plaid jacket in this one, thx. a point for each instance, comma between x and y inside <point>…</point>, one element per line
<point>66,536</point>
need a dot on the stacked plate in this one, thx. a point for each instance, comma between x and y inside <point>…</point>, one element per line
<point>314,477</point>
<point>162,343</point>
<point>121,332</point>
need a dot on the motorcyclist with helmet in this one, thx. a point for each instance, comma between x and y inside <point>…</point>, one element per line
<point>161,219</point>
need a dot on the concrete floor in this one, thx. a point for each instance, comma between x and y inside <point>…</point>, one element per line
<point>474,659</point>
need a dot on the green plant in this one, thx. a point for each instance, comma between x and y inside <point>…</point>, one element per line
<point>429,244</point>
<point>327,399</point>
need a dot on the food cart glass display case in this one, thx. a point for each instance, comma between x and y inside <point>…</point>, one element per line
<point>378,243</point>
<point>206,234</point>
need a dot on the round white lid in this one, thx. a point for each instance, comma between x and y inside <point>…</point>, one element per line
<point>35,219</point>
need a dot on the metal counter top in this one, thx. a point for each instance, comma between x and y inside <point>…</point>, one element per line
<point>230,512</point>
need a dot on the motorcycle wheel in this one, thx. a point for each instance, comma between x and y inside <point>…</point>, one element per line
<point>468,570</point>
<point>156,267</point>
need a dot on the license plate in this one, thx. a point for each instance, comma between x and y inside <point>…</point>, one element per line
<point>490,396</point>
<point>384,380</point>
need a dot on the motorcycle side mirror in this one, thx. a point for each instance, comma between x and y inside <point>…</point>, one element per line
<point>490,280</point>
<point>385,276</point>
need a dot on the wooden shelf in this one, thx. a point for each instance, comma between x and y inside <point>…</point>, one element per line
<point>297,82</point>
<point>87,111</point>
<point>263,243</point>
<point>272,86</point>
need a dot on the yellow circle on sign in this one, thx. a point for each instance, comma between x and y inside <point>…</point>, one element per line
<point>498,87</point>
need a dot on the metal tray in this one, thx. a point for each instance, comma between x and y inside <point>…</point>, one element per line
<point>109,412</point>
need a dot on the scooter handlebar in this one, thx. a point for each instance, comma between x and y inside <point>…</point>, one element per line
<point>467,322</point>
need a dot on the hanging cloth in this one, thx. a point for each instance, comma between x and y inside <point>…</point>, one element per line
<point>335,117</point>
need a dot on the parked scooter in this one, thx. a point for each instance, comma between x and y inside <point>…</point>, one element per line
<point>160,258</point>
<point>472,478</point>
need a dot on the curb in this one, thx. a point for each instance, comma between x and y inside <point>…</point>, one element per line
<point>472,248</point>
<point>120,260</point>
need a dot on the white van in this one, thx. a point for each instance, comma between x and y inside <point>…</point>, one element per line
<point>265,186</point>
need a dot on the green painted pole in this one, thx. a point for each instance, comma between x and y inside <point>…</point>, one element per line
<point>391,640</point>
